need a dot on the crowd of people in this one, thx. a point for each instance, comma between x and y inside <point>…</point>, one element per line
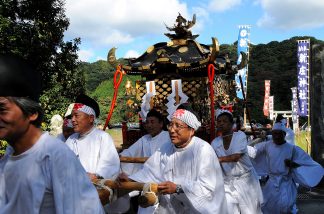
<point>41,173</point>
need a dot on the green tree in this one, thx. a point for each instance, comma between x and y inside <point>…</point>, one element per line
<point>95,73</point>
<point>34,29</point>
<point>3,145</point>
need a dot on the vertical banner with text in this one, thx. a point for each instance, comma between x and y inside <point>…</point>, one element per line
<point>242,46</point>
<point>271,107</point>
<point>302,76</point>
<point>266,98</point>
<point>294,108</point>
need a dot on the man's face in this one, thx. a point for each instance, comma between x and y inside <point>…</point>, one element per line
<point>278,136</point>
<point>67,132</point>
<point>82,122</point>
<point>179,132</point>
<point>223,124</point>
<point>153,126</point>
<point>13,123</point>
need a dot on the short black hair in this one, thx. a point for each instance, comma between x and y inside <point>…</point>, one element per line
<point>88,101</point>
<point>154,113</point>
<point>29,107</point>
<point>228,115</point>
<point>18,78</point>
<point>279,118</point>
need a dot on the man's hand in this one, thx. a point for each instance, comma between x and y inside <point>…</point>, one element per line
<point>167,187</point>
<point>291,164</point>
<point>93,176</point>
<point>122,177</point>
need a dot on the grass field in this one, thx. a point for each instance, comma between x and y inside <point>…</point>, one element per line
<point>116,135</point>
<point>303,141</point>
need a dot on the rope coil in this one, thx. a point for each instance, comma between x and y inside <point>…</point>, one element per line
<point>148,197</point>
<point>118,77</point>
<point>100,185</point>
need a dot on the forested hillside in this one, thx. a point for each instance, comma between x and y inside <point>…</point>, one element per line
<point>95,73</point>
<point>275,61</point>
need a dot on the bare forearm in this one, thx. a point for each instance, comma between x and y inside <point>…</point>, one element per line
<point>230,158</point>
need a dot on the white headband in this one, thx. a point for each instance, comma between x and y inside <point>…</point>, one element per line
<point>67,123</point>
<point>84,108</point>
<point>187,117</point>
<point>69,110</point>
<point>279,126</point>
<point>221,111</point>
<point>283,121</point>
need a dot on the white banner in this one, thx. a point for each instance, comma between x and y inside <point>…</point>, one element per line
<point>271,107</point>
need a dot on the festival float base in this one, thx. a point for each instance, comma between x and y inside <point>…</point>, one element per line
<point>182,70</point>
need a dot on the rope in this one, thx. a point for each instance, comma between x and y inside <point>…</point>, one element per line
<point>146,193</point>
<point>119,75</point>
<point>101,185</point>
<point>211,75</point>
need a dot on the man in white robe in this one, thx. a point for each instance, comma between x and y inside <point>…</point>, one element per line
<point>143,147</point>
<point>282,165</point>
<point>148,144</point>
<point>94,148</point>
<point>290,134</point>
<point>38,173</point>
<point>242,188</point>
<point>67,129</point>
<point>186,169</point>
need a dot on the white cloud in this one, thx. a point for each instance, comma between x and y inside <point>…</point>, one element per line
<point>131,54</point>
<point>223,5</point>
<point>292,14</point>
<point>85,55</point>
<point>115,37</point>
<point>106,22</point>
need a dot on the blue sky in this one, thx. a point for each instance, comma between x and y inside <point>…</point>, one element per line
<point>134,25</point>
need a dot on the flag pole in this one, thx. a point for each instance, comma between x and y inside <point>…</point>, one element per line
<point>246,82</point>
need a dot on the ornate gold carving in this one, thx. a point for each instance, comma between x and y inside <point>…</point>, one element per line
<point>183,49</point>
<point>215,49</point>
<point>150,49</point>
<point>146,67</point>
<point>161,51</point>
<point>179,42</point>
<point>111,57</point>
<point>204,61</point>
<point>170,43</point>
<point>163,59</point>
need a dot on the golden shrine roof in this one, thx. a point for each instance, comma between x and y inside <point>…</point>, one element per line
<point>182,55</point>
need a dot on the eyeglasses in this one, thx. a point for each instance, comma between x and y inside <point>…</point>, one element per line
<point>176,126</point>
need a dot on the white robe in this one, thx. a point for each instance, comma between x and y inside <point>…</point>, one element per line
<point>196,169</point>
<point>97,153</point>
<point>280,190</point>
<point>47,178</point>
<point>143,147</point>
<point>242,188</point>
<point>61,137</point>
<point>290,136</point>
